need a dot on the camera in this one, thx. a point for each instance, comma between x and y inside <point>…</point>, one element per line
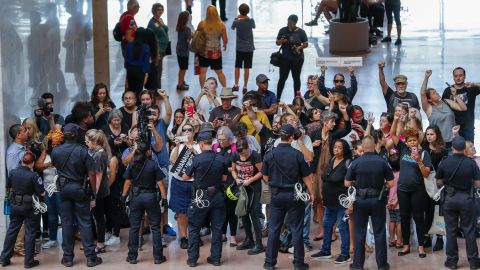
<point>297,133</point>
<point>43,106</point>
<point>144,134</point>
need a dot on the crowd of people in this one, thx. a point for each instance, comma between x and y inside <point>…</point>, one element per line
<point>268,166</point>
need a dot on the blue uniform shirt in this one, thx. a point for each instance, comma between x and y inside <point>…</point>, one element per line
<point>151,174</point>
<point>162,156</point>
<point>288,168</point>
<point>24,181</point>
<point>464,176</point>
<point>77,166</point>
<point>369,171</point>
<point>200,165</point>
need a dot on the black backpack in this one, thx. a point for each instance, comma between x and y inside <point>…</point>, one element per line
<point>117,32</point>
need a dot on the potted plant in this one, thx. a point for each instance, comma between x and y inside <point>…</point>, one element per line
<point>349,33</point>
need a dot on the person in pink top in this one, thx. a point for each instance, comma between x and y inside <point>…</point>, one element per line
<point>393,206</point>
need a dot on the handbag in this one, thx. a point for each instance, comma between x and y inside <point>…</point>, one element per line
<point>430,182</point>
<point>199,42</point>
<point>438,223</point>
<point>242,206</point>
<point>168,50</point>
<point>276,58</point>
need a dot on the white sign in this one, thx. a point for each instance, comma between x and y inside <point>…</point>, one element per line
<point>340,61</point>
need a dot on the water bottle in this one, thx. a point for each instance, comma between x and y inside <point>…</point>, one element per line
<point>7,207</point>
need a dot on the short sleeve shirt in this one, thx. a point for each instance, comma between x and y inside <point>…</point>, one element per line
<point>464,175</point>
<point>227,115</point>
<point>206,175</point>
<point>295,38</point>
<point>369,171</point>
<point>393,99</point>
<point>162,156</point>
<point>411,177</point>
<point>149,177</point>
<point>247,169</point>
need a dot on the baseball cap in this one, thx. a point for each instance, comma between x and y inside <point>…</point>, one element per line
<point>287,130</point>
<point>261,78</point>
<point>458,143</point>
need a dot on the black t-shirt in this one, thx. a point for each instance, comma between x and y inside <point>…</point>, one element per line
<point>333,182</point>
<point>207,175</point>
<point>313,101</point>
<point>44,125</point>
<point>267,140</point>
<point>464,176</point>
<point>226,153</point>
<point>295,38</point>
<point>103,118</point>
<point>466,118</point>
<point>101,164</point>
<point>227,115</point>
<point>247,169</point>
<point>369,171</point>
<point>393,99</point>
<point>127,118</point>
<point>149,177</point>
<point>411,178</point>
<point>118,149</point>
<point>435,157</point>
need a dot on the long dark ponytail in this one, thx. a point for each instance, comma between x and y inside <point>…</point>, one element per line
<point>140,156</point>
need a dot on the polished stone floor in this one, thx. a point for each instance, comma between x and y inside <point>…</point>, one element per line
<point>437,34</point>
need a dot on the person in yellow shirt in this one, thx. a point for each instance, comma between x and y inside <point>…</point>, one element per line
<point>251,102</point>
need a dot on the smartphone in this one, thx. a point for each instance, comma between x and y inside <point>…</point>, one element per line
<point>190,111</point>
<point>414,150</point>
<point>220,119</point>
<point>182,138</point>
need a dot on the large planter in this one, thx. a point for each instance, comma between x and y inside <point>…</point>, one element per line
<point>349,38</point>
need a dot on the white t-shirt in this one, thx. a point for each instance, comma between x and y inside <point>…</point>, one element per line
<point>204,107</point>
<point>306,141</point>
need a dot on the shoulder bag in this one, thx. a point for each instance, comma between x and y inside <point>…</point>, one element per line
<point>429,181</point>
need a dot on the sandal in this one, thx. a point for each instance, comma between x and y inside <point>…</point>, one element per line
<point>399,245</point>
<point>392,243</point>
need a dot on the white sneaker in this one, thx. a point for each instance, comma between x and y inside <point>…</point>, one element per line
<point>50,244</point>
<point>114,240</point>
<point>107,236</point>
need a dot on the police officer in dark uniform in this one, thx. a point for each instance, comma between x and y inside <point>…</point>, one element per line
<point>73,164</point>
<point>210,173</point>
<point>284,167</point>
<point>457,173</point>
<point>142,177</point>
<point>372,174</point>
<point>23,183</point>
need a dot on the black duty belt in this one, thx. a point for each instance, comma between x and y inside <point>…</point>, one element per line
<point>210,191</point>
<point>68,180</point>
<point>368,192</point>
<point>276,190</point>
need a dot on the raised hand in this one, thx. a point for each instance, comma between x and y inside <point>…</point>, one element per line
<point>428,73</point>
<point>381,64</point>
<point>370,118</point>
<point>351,70</point>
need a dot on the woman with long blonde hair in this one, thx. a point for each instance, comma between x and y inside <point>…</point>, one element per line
<point>99,149</point>
<point>214,30</point>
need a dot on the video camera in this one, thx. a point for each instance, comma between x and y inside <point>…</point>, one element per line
<point>43,106</point>
<point>144,134</point>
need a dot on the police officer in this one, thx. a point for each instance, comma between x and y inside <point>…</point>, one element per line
<point>457,173</point>
<point>73,164</point>
<point>284,167</point>
<point>210,172</point>
<point>371,174</point>
<point>142,178</point>
<point>23,183</point>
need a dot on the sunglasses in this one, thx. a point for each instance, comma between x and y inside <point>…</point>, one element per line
<point>338,81</point>
<point>187,129</point>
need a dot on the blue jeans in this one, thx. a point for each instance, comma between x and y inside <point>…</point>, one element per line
<point>306,223</point>
<point>333,214</point>
<point>53,205</point>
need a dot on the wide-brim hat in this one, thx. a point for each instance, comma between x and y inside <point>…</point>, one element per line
<point>400,79</point>
<point>206,127</point>
<point>227,92</point>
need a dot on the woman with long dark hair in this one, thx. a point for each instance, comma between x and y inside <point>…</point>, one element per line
<point>434,144</point>
<point>333,186</point>
<point>102,104</point>
<point>246,170</point>
<point>184,35</point>
<point>137,62</point>
<point>144,177</point>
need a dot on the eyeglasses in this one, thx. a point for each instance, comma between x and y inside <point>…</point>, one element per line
<point>222,140</point>
<point>338,81</point>
<point>187,129</point>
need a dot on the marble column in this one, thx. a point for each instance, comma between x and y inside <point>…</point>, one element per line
<point>101,35</point>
